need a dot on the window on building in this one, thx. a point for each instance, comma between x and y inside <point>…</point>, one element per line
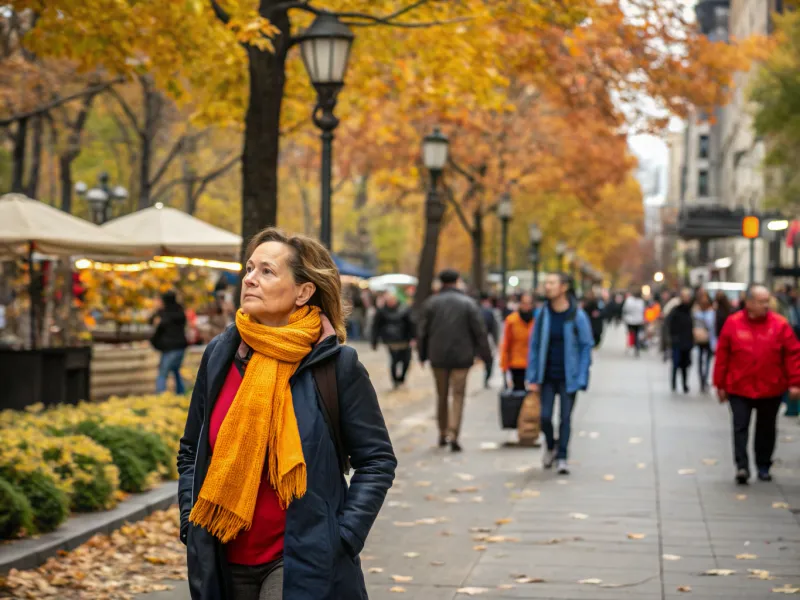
<point>704,146</point>
<point>702,184</point>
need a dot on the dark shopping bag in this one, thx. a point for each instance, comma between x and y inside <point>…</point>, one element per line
<point>510,406</point>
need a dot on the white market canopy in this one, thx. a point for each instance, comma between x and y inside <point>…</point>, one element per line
<point>176,233</point>
<point>24,221</point>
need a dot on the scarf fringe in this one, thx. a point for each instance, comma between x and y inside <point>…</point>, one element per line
<point>292,486</point>
<point>222,523</point>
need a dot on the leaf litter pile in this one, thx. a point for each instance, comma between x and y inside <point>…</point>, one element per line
<point>136,559</point>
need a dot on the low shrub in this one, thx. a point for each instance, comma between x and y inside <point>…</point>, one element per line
<point>50,504</point>
<point>16,514</point>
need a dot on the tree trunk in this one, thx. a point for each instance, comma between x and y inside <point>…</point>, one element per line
<point>189,177</point>
<point>262,128</point>
<point>32,187</point>
<point>65,174</point>
<point>146,145</point>
<point>477,251</point>
<point>18,157</point>
<point>434,212</point>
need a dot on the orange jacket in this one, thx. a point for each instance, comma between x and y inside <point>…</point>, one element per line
<point>514,347</point>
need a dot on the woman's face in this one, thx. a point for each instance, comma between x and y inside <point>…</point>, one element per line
<point>269,292</point>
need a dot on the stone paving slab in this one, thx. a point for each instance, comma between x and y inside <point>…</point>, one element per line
<point>629,425</point>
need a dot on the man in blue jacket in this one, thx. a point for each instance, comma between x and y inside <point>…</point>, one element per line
<point>558,362</point>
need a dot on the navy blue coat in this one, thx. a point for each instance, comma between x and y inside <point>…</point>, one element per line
<point>325,529</point>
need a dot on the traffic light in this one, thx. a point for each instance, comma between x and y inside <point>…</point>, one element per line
<point>750,227</point>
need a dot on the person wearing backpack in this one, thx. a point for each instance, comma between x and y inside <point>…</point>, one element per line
<point>559,359</point>
<point>279,410</point>
<point>704,334</point>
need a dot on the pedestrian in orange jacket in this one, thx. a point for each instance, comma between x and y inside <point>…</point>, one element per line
<point>758,361</point>
<point>514,346</point>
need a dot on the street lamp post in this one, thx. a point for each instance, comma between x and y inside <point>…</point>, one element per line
<point>504,211</point>
<point>325,47</point>
<point>535,236</point>
<point>561,249</point>
<point>435,148</point>
<point>100,197</point>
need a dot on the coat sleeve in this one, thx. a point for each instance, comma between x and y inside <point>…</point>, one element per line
<point>532,372</point>
<point>791,355</point>
<point>187,450</point>
<point>585,345</point>
<point>480,336</point>
<point>505,347</point>
<point>723,357</point>
<point>367,442</point>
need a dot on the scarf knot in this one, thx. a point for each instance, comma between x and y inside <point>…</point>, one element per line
<point>260,424</point>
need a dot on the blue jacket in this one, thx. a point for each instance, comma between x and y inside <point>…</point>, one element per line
<point>578,343</point>
<point>325,529</point>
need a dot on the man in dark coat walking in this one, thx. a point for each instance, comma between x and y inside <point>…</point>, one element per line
<point>451,334</point>
<point>679,325</point>
<point>393,327</point>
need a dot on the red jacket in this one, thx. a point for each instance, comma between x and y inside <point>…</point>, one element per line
<point>757,359</point>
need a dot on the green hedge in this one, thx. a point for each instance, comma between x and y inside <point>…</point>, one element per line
<point>16,514</point>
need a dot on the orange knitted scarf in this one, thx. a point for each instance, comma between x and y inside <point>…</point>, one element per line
<point>261,418</point>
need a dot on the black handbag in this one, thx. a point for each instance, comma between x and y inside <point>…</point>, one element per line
<point>510,407</point>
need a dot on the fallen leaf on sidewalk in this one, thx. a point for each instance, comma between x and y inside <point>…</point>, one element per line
<point>592,581</point>
<point>404,524</point>
<point>636,536</point>
<point>411,554</point>
<point>503,521</point>
<point>787,589</point>
<point>437,563</point>
<point>684,588</point>
<point>510,484</point>
<point>609,477</point>
<point>470,489</point>
<point>718,572</point>
<point>787,438</point>
<point>594,435</point>
<point>397,590</point>
<point>476,499</point>
<point>780,505</point>
<point>746,557</point>
<point>529,580</point>
<point>375,570</point>
<point>481,529</point>
<point>472,591</point>
<point>760,574</point>
<point>431,498</point>
<point>741,496</point>
<point>581,434</point>
<point>431,520</point>
<point>499,539</point>
<point>506,586</point>
<point>422,484</point>
<point>671,557</point>
<point>402,578</point>
<point>562,482</point>
<point>710,461</point>
<point>480,548</point>
<point>489,445</point>
<point>452,500</point>
<point>526,493</point>
<point>397,504</point>
<point>465,476</point>
<point>635,440</point>
<point>686,471</point>
<point>579,516</point>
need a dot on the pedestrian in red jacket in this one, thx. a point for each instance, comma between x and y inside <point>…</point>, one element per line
<point>758,360</point>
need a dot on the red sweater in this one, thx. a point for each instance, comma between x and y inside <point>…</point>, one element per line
<point>757,358</point>
<point>263,542</point>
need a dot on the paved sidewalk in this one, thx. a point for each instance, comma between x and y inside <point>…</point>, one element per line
<point>649,507</point>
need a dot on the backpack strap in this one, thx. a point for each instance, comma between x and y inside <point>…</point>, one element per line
<point>325,379</point>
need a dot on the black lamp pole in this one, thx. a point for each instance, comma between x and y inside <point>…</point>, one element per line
<point>325,47</point>
<point>535,235</point>
<point>504,209</point>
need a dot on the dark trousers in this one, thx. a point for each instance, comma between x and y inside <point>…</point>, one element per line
<point>518,379</point>
<point>766,429</point>
<point>400,361</point>
<point>636,331</point>
<point>681,359</point>
<point>489,368</point>
<point>260,582</point>
<point>704,355</point>
<point>549,389</point>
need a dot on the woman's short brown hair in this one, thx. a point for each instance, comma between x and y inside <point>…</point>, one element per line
<point>311,262</point>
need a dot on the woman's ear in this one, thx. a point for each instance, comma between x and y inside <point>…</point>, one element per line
<point>304,293</point>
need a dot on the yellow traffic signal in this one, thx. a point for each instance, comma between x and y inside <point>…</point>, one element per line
<point>750,227</point>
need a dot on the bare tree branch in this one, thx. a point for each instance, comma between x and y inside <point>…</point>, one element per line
<point>459,211</point>
<point>91,90</point>
<point>176,149</point>
<point>220,12</point>
<point>126,108</point>
<point>204,180</point>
